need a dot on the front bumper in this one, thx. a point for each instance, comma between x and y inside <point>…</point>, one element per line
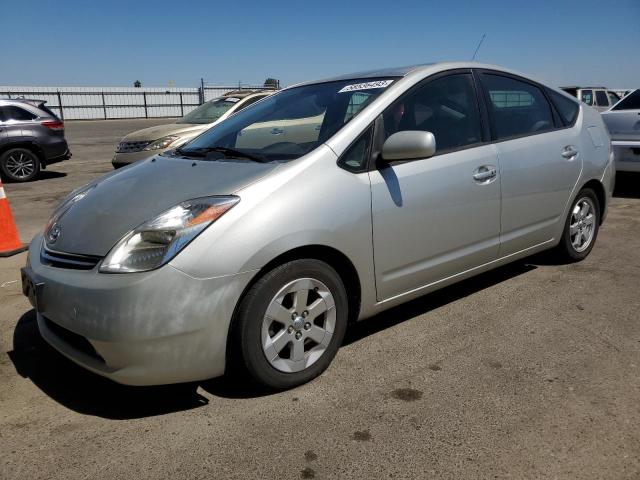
<point>122,159</point>
<point>150,328</point>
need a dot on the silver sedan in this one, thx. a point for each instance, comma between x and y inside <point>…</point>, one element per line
<point>254,245</point>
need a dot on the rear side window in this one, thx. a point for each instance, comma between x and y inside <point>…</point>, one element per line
<point>601,98</point>
<point>517,108</point>
<point>567,108</point>
<point>18,114</point>
<point>613,98</point>
<point>48,111</point>
<point>587,96</point>
<point>630,102</point>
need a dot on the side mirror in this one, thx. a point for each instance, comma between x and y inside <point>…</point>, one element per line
<point>409,145</point>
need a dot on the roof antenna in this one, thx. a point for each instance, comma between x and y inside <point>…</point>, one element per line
<point>478,47</point>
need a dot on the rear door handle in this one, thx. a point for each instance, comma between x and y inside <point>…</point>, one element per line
<point>569,152</point>
<point>277,131</point>
<point>485,173</point>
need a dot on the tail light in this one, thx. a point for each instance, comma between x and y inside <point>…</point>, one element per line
<point>55,125</point>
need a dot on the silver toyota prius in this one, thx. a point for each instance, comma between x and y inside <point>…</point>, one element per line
<point>250,248</point>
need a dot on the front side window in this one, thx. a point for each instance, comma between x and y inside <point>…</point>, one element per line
<point>517,108</point>
<point>291,123</point>
<point>630,102</point>
<point>210,111</point>
<point>587,97</point>
<point>17,114</point>
<point>601,98</point>
<point>446,107</point>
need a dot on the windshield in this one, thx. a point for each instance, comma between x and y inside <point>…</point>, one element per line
<point>209,112</point>
<point>293,122</point>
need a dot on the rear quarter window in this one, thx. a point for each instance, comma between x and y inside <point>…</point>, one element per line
<point>567,108</point>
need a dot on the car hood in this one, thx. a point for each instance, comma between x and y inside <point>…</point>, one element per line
<point>128,197</point>
<point>154,133</point>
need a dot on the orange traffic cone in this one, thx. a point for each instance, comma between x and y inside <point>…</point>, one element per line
<point>9,241</point>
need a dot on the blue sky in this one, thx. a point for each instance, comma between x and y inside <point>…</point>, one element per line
<point>76,42</point>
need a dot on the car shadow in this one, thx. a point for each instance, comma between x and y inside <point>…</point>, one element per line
<point>90,394</point>
<point>48,174</point>
<point>627,185</point>
<point>434,300</point>
<point>87,393</point>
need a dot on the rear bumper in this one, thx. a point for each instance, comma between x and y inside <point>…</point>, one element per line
<point>65,156</point>
<point>150,328</point>
<point>627,156</point>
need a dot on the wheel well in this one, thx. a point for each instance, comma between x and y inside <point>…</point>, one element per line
<point>336,259</point>
<point>26,145</point>
<point>598,189</point>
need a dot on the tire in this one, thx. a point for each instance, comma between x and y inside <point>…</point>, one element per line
<point>277,345</point>
<point>19,165</point>
<point>581,227</point>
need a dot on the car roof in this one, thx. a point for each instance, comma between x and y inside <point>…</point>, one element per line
<point>29,101</point>
<point>244,93</point>
<point>419,70</point>
<point>582,88</point>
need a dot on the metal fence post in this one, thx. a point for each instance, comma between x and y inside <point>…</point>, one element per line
<point>181,106</point>
<point>104,106</point>
<point>201,91</point>
<point>146,113</point>
<point>60,106</point>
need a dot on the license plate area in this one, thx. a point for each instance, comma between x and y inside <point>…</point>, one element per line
<point>31,288</point>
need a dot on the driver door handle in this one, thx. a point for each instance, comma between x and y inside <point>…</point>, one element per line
<point>485,173</point>
<point>277,131</point>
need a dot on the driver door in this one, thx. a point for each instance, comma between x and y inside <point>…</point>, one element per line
<point>436,217</point>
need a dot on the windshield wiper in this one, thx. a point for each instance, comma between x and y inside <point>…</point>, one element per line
<point>227,152</point>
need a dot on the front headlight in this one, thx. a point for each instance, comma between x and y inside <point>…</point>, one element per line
<point>157,241</point>
<point>163,142</point>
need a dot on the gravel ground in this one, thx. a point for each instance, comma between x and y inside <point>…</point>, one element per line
<point>529,371</point>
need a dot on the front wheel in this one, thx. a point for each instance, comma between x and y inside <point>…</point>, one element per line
<point>291,323</point>
<point>581,226</point>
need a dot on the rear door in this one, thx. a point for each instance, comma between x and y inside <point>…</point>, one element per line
<point>435,217</point>
<point>539,159</point>
<point>623,120</point>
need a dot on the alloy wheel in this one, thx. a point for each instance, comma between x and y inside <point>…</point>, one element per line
<point>298,325</point>
<point>582,224</point>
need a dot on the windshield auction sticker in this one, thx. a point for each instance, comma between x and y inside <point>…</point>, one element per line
<point>366,86</point>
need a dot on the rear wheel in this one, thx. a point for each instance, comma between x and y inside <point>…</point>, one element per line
<point>19,165</point>
<point>581,226</point>
<point>291,323</point>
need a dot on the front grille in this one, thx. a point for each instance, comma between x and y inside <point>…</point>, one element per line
<point>129,147</point>
<point>72,339</point>
<point>67,260</point>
